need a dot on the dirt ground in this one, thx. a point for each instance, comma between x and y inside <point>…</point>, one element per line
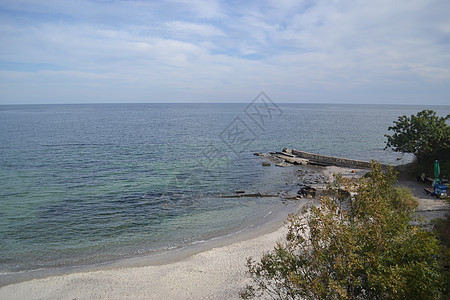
<point>429,207</point>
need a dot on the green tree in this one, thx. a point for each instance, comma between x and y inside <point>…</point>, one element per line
<point>361,247</point>
<point>424,135</point>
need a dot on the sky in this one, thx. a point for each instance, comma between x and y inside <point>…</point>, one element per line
<point>95,51</point>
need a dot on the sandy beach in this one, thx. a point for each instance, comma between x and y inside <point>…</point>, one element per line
<point>218,273</point>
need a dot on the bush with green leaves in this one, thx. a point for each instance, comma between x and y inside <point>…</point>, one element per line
<point>362,247</point>
<point>426,135</point>
<point>422,134</point>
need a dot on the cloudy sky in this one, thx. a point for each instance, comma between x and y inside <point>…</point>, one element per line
<point>382,51</point>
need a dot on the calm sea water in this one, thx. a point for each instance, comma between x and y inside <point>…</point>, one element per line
<point>81,184</point>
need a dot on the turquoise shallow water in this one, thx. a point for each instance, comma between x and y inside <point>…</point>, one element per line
<point>81,184</point>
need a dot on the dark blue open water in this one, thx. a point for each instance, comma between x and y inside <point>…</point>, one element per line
<point>81,184</point>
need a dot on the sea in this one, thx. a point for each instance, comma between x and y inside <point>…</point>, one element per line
<point>86,184</point>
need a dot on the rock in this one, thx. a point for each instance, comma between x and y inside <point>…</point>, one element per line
<point>265,164</point>
<point>306,190</point>
<point>258,154</point>
<point>284,164</point>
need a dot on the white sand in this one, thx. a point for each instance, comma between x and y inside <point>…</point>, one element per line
<point>218,273</point>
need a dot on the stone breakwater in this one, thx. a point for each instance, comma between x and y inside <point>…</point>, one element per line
<point>331,160</point>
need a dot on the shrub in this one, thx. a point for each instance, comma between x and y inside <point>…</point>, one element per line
<point>356,248</point>
<point>425,135</point>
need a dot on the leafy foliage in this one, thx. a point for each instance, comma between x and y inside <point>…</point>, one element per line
<point>362,247</point>
<point>423,135</point>
<point>442,228</point>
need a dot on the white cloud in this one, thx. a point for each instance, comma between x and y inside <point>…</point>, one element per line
<point>327,50</point>
<point>194,29</point>
<point>202,9</point>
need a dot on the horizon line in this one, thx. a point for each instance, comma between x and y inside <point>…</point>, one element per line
<point>309,103</point>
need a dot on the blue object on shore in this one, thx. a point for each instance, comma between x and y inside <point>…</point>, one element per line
<point>441,190</point>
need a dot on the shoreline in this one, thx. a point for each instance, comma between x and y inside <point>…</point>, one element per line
<point>269,223</point>
<point>216,271</point>
<point>285,185</point>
